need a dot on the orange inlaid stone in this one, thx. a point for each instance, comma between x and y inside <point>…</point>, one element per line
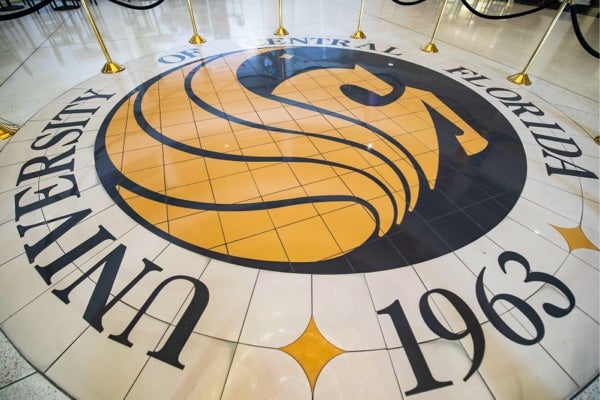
<point>575,238</point>
<point>312,351</point>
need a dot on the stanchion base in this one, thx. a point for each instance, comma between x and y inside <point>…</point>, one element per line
<point>597,139</point>
<point>358,35</point>
<point>430,48</point>
<point>7,131</point>
<point>5,135</point>
<point>281,31</point>
<point>112,68</point>
<point>520,79</point>
<point>196,39</point>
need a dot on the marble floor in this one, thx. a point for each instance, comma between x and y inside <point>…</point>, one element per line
<point>307,216</point>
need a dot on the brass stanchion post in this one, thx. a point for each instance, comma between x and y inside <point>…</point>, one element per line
<point>110,67</point>
<point>196,38</point>
<point>281,31</point>
<point>431,47</point>
<point>522,78</point>
<point>359,34</point>
<point>7,129</point>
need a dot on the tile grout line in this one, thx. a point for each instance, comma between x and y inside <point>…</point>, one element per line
<point>19,379</point>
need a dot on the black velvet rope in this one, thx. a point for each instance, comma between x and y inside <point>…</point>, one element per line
<point>147,7</point>
<point>582,41</point>
<point>44,3</point>
<point>545,4</point>
<point>26,11</point>
<point>408,3</point>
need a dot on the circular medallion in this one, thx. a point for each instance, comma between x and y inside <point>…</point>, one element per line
<point>311,159</point>
<point>302,221</point>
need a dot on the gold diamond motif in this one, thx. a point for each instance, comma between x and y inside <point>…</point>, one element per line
<point>312,351</point>
<point>575,238</point>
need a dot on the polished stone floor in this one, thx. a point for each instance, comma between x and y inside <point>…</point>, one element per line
<point>306,216</point>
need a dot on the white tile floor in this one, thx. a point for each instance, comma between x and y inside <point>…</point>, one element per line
<point>43,47</point>
<point>44,55</point>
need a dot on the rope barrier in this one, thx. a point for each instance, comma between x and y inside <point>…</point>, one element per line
<point>44,3</point>
<point>578,33</point>
<point>544,5</point>
<point>25,12</point>
<point>147,7</point>
<point>408,3</point>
